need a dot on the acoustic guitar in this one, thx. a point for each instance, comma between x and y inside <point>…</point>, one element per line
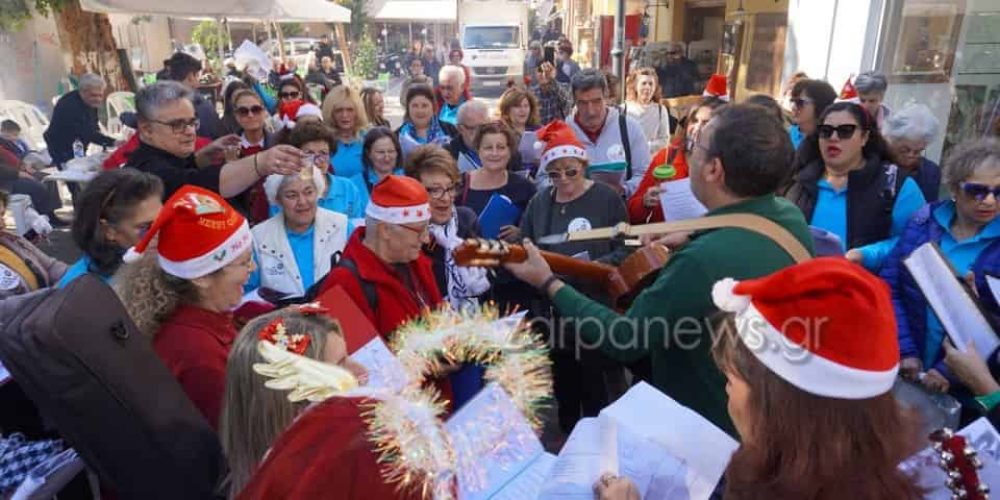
<point>624,282</point>
<point>961,465</point>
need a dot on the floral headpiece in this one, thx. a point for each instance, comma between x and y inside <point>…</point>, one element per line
<point>275,333</point>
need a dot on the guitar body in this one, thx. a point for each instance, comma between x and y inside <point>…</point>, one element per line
<point>623,283</point>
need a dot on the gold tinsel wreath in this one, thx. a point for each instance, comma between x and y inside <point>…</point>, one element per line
<point>513,356</point>
<point>405,429</point>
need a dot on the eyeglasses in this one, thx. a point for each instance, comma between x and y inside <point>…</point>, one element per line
<point>252,110</point>
<point>800,102</point>
<point>980,191</point>
<point>180,126</point>
<point>289,95</point>
<point>569,173</point>
<point>904,151</point>
<point>426,229</point>
<point>844,132</point>
<point>438,193</point>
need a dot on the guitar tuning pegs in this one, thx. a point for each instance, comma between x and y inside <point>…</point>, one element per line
<point>938,446</point>
<point>947,457</point>
<point>983,490</point>
<point>953,477</point>
<point>969,452</point>
<point>942,434</point>
<point>976,462</point>
<point>959,493</point>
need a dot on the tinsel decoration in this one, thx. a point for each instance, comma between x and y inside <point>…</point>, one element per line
<point>513,356</point>
<point>405,429</point>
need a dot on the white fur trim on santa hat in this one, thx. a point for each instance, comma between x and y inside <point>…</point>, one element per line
<point>565,151</point>
<point>273,184</point>
<point>804,369</point>
<point>723,98</point>
<point>309,109</point>
<point>399,215</point>
<point>221,256</point>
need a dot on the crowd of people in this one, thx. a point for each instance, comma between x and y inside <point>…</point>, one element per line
<point>290,198</point>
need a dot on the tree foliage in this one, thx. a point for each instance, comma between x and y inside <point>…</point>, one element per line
<point>365,62</point>
<point>212,36</point>
<point>359,18</point>
<point>14,13</point>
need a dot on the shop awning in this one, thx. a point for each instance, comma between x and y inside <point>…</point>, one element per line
<point>180,8</point>
<point>299,11</point>
<point>417,11</point>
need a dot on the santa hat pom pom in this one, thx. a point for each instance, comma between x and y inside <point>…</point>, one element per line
<point>539,146</point>
<point>726,300</point>
<point>131,255</point>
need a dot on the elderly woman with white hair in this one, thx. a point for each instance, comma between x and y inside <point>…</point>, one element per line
<point>871,87</point>
<point>451,93</point>
<point>908,133</point>
<point>293,248</point>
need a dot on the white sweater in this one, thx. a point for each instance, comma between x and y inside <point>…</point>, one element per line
<point>655,122</point>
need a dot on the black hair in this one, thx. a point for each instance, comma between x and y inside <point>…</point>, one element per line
<point>820,92</point>
<point>9,126</point>
<point>111,197</point>
<point>370,138</point>
<point>4,199</point>
<point>179,66</point>
<point>419,89</point>
<point>754,148</point>
<point>876,146</point>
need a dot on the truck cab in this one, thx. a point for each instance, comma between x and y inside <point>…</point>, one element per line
<point>494,40</point>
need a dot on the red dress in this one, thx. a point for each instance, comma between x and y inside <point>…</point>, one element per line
<point>324,454</point>
<point>194,343</point>
<point>639,213</point>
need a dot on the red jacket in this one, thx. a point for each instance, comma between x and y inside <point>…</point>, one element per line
<point>396,303</point>
<point>639,213</point>
<point>326,454</point>
<point>194,343</point>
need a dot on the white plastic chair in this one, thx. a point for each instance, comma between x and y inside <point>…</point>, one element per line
<point>31,119</point>
<point>118,103</point>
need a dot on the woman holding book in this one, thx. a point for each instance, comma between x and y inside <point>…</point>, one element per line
<point>967,231</point>
<point>841,433</point>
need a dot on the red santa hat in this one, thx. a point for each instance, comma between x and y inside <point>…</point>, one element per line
<point>825,326</point>
<point>849,92</point>
<point>717,86</point>
<point>199,233</point>
<point>399,200</point>
<point>558,141</point>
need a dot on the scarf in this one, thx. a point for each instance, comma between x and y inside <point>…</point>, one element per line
<point>435,134</point>
<point>464,283</point>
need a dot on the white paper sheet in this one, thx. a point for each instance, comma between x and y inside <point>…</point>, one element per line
<point>678,201</point>
<point>589,452</point>
<point>384,369</point>
<point>703,449</point>
<point>957,310</point>
<point>527,148</point>
<point>528,484</point>
<point>494,445</point>
<point>994,284</point>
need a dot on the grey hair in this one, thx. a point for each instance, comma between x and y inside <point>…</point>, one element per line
<point>914,122</point>
<point>968,156</point>
<point>472,106</point>
<point>159,94</point>
<point>92,81</point>
<point>535,44</point>
<point>450,70</point>
<point>869,82</point>
<point>587,79</point>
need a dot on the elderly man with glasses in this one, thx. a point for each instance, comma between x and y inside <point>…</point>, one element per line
<point>167,125</point>
<point>451,93</point>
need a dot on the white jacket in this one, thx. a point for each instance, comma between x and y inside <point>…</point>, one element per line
<point>278,269</point>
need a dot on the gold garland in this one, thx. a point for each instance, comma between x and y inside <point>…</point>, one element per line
<point>514,357</point>
<point>406,430</point>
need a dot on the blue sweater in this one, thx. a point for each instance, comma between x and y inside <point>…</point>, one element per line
<point>920,332</point>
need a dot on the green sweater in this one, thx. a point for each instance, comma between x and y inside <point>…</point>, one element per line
<point>674,312</point>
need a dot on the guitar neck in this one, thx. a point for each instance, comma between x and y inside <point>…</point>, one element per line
<point>565,265</point>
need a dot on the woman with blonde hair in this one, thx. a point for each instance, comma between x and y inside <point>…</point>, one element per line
<point>344,112</point>
<point>253,416</point>
<point>182,292</point>
<point>374,103</point>
<point>642,102</point>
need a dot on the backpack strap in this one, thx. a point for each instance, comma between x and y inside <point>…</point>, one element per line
<point>367,287</point>
<point>623,132</point>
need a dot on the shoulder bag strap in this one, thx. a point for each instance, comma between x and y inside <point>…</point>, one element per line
<point>623,131</point>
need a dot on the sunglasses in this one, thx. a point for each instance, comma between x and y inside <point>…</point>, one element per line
<point>289,95</point>
<point>800,102</point>
<point>844,132</point>
<point>569,173</point>
<point>980,191</point>
<point>252,110</point>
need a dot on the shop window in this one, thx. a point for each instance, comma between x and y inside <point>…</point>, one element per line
<point>924,50</point>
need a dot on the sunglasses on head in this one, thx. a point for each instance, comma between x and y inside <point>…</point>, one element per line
<point>252,110</point>
<point>569,173</point>
<point>289,95</point>
<point>980,191</point>
<point>844,132</point>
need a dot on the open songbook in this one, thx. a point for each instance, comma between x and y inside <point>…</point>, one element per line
<point>956,308</point>
<point>667,450</point>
